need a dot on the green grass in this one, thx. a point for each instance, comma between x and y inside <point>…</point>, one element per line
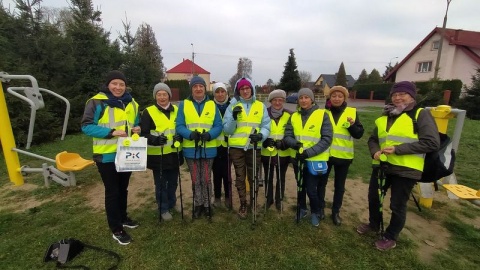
<point>226,243</point>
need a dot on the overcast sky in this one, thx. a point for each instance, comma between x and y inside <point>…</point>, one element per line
<point>364,34</point>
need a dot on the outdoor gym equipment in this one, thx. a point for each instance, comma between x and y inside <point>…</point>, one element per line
<point>34,98</point>
<point>65,162</point>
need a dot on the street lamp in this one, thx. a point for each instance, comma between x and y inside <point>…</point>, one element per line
<point>193,60</point>
<point>390,63</point>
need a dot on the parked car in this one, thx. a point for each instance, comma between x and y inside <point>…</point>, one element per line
<point>292,98</point>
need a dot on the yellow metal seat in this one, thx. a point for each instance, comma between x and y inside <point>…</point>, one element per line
<point>463,192</point>
<point>71,162</point>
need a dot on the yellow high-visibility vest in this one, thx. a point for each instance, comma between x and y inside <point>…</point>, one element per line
<point>400,132</point>
<point>114,118</point>
<point>309,135</point>
<point>277,132</point>
<point>165,126</point>
<point>201,123</point>
<point>342,143</point>
<point>246,124</point>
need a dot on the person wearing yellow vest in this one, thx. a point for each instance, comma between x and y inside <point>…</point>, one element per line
<point>405,150</point>
<point>199,123</point>
<point>220,163</point>
<point>110,114</point>
<point>279,117</point>
<point>309,127</point>
<point>158,126</point>
<point>246,121</point>
<point>346,127</point>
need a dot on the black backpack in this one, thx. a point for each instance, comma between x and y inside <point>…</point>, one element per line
<point>438,163</point>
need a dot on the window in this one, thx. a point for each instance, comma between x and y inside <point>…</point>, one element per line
<point>435,45</point>
<point>424,67</point>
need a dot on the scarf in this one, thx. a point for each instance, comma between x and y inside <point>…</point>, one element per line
<point>276,113</point>
<point>392,110</point>
<point>118,102</point>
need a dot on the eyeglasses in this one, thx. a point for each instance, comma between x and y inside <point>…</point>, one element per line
<point>245,88</point>
<point>399,94</point>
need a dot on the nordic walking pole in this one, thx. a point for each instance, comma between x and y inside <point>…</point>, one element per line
<point>279,177</point>
<point>381,191</point>
<point>176,144</point>
<point>229,175</point>
<point>267,180</point>
<point>161,180</point>
<point>207,176</point>
<point>194,178</point>
<point>299,182</point>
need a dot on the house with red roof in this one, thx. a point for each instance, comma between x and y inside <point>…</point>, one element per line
<point>185,70</point>
<point>460,57</point>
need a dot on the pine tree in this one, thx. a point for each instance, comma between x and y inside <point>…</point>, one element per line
<point>374,77</point>
<point>341,78</point>
<point>290,81</point>
<point>472,98</point>
<point>363,78</point>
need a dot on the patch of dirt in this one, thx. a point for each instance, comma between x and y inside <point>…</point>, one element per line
<point>429,235</point>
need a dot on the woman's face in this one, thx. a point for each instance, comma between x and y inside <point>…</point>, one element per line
<point>337,98</point>
<point>401,99</point>
<point>162,98</point>
<point>198,91</point>
<point>277,103</point>
<point>220,94</point>
<point>305,102</point>
<point>117,87</point>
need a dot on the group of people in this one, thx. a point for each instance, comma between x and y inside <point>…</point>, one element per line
<point>211,135</point>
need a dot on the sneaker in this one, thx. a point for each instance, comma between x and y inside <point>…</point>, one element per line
<point>242,211</point>
<point>315,220</point>
<point>122,237</point>
<point>365,228</point>
<point>167,216</point>
<point>303,213</point>
<point>129,223</point>
<point>385,244</point>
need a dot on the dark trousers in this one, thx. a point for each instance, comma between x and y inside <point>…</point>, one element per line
<point>243,163</point>
<point>341,171</point>
<point>220,174</point>
<point>401,188</point>
<point>309,187</point>
<point>280,175</point>
<point>165,189</point>
<point>116,193</point>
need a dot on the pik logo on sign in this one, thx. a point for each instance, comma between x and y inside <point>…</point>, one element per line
<point>132,155</point>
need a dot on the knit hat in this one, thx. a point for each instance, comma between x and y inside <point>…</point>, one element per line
<point>277,93</point>
<point>161,87</point>
<point>338,88</point>
<point>306,92</point>
<point>404,86</point>
<point>242,82</point>
<point>219,85</point>
<point>115,74</point>
<point>197,80</point>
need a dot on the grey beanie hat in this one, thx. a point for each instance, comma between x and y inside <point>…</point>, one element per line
<point>306,92</point>
<point>277,93</point>
<point>161,86</point>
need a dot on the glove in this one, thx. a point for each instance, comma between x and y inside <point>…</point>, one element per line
<point>269,142</point>
<point>279,145</point>
<point>177,138</point>
<point>161,140</point>
<point>236,111</point>
<point>195,136</point>
<point>205,136</point>
<point>297,146</point>
<point>301,156</point>
<point>255,138</point>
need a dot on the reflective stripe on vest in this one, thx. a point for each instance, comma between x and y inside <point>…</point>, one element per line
<point>246,123</point>
<point>277,132</point>
<point>114,118</point>
<point>342,143</point>
<point>400,132</point>
<point>201,123</point>
<point>309,135</point>
<point>220,140</point>
<point>165,126</point>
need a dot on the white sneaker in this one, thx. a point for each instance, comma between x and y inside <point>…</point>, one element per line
<point>167,216</point>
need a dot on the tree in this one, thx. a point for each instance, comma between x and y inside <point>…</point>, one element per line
<point>374,77</point>
<point>290,80</point>
<point>388,69</point>
<point>305,77</point>
<point>472,98</point>
<point>244,70</point>
<point>341,76</point>
<point>363,78</point>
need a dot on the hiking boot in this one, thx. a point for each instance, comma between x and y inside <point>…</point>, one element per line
<point>336,219</point>
<point>385,244</point>
<point>167,216</point>
<point>208,212</point>
<point>129,223</point>
<point>365,228</point>
<point>242,211</point>
<point>197,212</point>
<point>122,237</point>
<point>315,220</point>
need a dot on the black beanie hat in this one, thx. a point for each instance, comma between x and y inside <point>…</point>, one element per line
<point>115,74</point>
